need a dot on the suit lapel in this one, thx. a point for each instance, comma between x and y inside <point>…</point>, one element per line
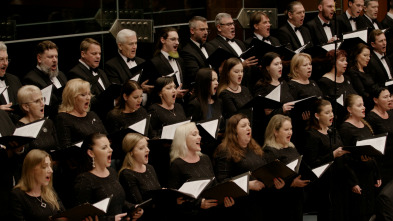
<point>227,46</point>
<point>321,29</point>
<point>294,36</point>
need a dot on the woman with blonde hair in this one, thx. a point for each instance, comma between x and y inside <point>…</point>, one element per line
<point>32,103</point>
<point>34,198</point>
<point>188,163</point>
<point>278,145</point>
<point>75,120</point>
<point>137,176</point>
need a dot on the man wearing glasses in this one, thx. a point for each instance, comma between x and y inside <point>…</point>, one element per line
<point>9,84</point>
<point>196,51</point>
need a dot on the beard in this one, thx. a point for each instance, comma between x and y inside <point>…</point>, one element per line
<point>47,70</point>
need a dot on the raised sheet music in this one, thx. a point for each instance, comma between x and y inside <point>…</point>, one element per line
<point>168,132</point>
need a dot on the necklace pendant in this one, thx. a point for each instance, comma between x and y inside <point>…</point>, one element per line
<point>43,205</point>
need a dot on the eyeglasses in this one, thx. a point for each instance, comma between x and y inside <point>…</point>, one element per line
<point>5,60</point>
<point>38,101</point>
<point>229,24</point>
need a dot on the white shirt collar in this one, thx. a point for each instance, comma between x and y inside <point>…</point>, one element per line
<point>122,56</point>
<point>390,15</point>
<point>322,22</point>
<point>378,55</point>
<point>165,54</point>
<point>293,26</point>
<point>196,43</point>
<point>260,37</point>
<point>87,66</point>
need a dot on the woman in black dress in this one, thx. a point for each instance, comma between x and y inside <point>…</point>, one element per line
<point>323,146</point>
<point>233,95</point>
<point>381,120</point>
<point>362,82</point>
<point>164,110</point>
<point>99,180</point>
<point>188,163</point>
<point>205,105</point>
<point>237,154</point>
<point>278,145</point>
<point>137,176</point>
<point>32,103</point>
<point>364,174</point>
<point>271,79</point>
<point>127,112</point>
<point>34,198</point>
<point>301,86</point>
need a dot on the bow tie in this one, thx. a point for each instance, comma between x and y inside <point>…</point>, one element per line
<point>353,19</point>
<point>266,39</point>
<point>374,21</point>
<point>201,46</point>
<point>297,29</point>
<point>383,57</point>
<point>130,59</point>
<point>171,58</point>
<point>232,40</point>
<point>94,70</point>
<point>2,78</point>
<point>326,25</point>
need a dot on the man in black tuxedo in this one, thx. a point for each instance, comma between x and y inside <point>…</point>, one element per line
<point>379,66</point>
<point>47,72</point>
<point>322,27</point>
<point>292,34</point>
<point>347,21</point>
<point>370,15</point>
<point>167,62</point>
<point>196,51</point>
<point>9,84</point>
<point>387,22</point>
<point>226,39</point>
<point>87,68</point>
<point>260,24</point>
<point>118,68</point>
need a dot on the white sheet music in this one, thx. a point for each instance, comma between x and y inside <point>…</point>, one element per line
<point>79,144</point>
<point>103,204</point>
<point>294,102</point>
<point>301,48</point>
<point>139,126</point>
<point>210,127</point>
<point>47,92</point>
<point>378,143</point>
<point>329,47</point>
<point>361,34</point>
<point>242,182</point>
<point>292,165</point>
<point>340,100</point>
<point>136,77</point>
<point>30,130</point>
<point>194,188</point>
<point>388,83</point>
<point>168,132</point>
<point>319,170</point>
<point>275,94</point>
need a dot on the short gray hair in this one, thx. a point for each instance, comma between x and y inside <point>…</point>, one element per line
<point>3,47</point>
<point>220,16</point>
<point>193,21</point>
<point>123,34</point>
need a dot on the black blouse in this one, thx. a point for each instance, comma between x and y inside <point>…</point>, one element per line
<point>72,129</point>
<point>117,120</point>
<point>137,185</point>
<point>327,87</point>
<point>300,91</point>
<point>25,207</point>
<point>91,188</point>
<point>233,102</point>
<point>161,117</point>
<point>285,95</point>
<point>194,110</point>
<point>362,82</point>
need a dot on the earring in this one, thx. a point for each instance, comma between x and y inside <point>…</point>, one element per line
<point>93,164</point>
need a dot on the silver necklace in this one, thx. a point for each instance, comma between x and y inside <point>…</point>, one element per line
<point>43,205</point>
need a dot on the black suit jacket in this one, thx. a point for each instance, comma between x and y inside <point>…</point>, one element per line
<point>13,84</point>
<point>344,25</point>
<point>159,66</point>
<point>377,70</point>
<point>220,42</point>
<point>387,22</point>
<point>318,34</point>
<point>273,40</point>
<point>117,70</point>
<point>81,71</point>
<point>288,37</point>
<point>194,59</point>
<point>40,79</point>
<point>364,22</point>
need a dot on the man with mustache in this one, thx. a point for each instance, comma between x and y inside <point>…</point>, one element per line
<point>348,21</point>
<point>322,28</point>
<point>379,66</point>
<point>9,83</point>
<point>292,34</point>
<point>47,71</point>
<point>370,15</point>
<point>196,51</point>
